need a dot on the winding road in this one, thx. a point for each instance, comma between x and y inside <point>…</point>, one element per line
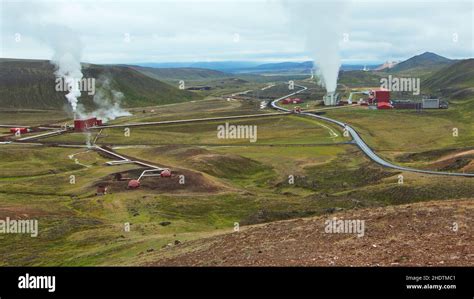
<point>361,144</point>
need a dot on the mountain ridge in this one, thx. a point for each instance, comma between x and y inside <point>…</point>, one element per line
<point>31,84</point>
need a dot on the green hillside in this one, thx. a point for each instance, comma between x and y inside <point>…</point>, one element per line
<point>31,84</point>
<point>358,78</point>
<point>455,81</point>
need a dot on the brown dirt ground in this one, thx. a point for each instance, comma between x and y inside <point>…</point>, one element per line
<point>418,234</point>
<point>459,160</point>
<point>456,155</point>
<point>17,211</point>
<point>194,182</point>
<point>454,164</point>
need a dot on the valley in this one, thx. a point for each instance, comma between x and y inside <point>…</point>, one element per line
<point>298,170</point>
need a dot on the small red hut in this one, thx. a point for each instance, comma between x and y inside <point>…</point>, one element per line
<point>101,190</point>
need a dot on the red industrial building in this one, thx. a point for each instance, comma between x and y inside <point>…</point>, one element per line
<point>82,125</point>
<point>292,101</point>
<point>19,130</point>
<point>379,95</point>
<point>381,98</point>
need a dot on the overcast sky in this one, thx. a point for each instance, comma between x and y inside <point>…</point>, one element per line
<point>253,30</point>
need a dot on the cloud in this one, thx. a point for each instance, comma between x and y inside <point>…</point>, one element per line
<point>206,30</point>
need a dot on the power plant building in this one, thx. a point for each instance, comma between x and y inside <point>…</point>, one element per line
<point>292,101</point>
<point>379,96</point>
<point>19,130</point>
<point>82,125</point>
<point>430,104</point>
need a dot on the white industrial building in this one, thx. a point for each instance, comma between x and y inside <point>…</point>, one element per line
<point>430,104</point>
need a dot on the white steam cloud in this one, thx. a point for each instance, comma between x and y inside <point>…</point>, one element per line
<point>108,101</point>
<point>67,49</point>
<point>67,58</point>
<point>322,23</point>
<point>65,42</point>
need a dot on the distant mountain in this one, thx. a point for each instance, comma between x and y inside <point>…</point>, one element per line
<point>163,64</point>
<point>386,65</point>
<point>188,73</point>
<point>223,66</point>
<point>279,67</point>
<point>285,65</point>
<point>197,70</point>
<point>31,84</point>
<point>304,67</point>
<point>425,61</point>
<point>358,67</point>
<point>454,81</point>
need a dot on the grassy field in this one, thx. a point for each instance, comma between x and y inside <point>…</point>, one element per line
<point>211,107</point>
<point>33,117</point>
<point>394,133</point>
<point>78,228</point>
<point>270,130</point>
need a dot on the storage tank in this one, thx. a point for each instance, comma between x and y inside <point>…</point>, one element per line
<point>133,184</point>
<point>166,173</point>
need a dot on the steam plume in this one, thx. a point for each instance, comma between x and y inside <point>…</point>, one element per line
<point>322,24</point>
<point>108,101</point>
<point>67,59</point>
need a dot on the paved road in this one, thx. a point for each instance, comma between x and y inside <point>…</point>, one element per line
<point>361,144</point>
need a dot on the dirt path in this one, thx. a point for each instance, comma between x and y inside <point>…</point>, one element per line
<point>455,155</point>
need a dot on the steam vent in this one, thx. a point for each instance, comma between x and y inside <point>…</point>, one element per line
<point>330,99</point>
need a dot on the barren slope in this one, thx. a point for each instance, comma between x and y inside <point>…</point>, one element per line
<point>414,234</point>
